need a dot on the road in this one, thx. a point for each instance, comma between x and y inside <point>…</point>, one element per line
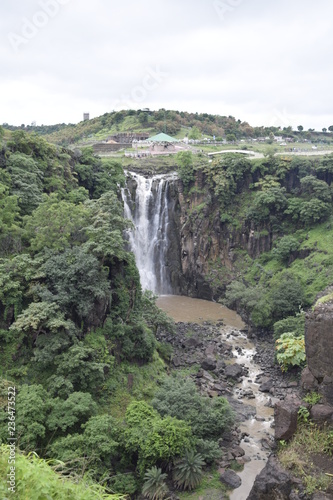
<point>253,155</point>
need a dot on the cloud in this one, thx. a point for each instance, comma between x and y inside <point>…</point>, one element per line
<point>259,60</point>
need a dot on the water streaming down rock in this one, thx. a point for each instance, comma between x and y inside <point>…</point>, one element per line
<point>146,205</point>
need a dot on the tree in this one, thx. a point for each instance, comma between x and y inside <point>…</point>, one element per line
<point>153,438</point>
<point>154,486</point>
<point>184,160</point>
<point>194,133</point>
<point>179,398</point>
<point>56,224</point>
<point>300,128</point>
<point>231,138</point>
<point>284,248</point>
<point>187,473</point>
<point>324,130</point>
<point>76,282</point>
<point>330,128</point>
<point>286,294</point>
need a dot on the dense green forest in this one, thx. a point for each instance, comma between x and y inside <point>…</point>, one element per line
<point>175,123</point>
<point>77,335</point>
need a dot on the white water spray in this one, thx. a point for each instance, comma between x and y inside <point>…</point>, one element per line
<point>149,239</point>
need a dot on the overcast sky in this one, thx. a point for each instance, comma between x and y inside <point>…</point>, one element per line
<point>267,62</point>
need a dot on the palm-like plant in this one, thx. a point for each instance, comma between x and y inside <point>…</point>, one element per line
<point>187,472</point>
<point>154,486</point>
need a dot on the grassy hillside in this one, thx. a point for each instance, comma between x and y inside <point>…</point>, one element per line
<point>176,123</point>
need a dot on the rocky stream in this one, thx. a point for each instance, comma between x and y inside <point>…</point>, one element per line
<point>214,345</point>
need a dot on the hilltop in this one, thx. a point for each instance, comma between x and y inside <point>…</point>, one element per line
<point>176,123</point>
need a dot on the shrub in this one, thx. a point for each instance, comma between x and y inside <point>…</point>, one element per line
<point>291,351</point>
<point>187,472</point>
<point>154,486</point>
<point>285,247</point>
<point>178,397</point>
<point>293,324</point>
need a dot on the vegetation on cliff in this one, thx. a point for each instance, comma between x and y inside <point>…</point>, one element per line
<point>275,236</point>
<point>77,334</point>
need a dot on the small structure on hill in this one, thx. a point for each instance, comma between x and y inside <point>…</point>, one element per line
<point>162,143</point>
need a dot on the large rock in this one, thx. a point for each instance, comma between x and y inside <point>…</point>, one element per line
<point>322,414</point>
<point>231,479</point>
<point>273,483</point>
<point>208,364</point>
<point>319,347</point>
<point>285,414</point>
<point>266,384</point>
<point>233,371</point>
<point>308,380</point>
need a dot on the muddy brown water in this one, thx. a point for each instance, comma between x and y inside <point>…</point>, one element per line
<point>257,429</point>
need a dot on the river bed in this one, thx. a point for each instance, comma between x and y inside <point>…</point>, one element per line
<point>256,430</point>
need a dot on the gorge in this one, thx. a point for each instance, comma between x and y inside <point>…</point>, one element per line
<point>202,252</point>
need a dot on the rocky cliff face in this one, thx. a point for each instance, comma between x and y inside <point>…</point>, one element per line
<point>203,250</point>
<point>319,348</point>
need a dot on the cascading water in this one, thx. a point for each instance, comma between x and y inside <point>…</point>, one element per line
<point>149,239</point>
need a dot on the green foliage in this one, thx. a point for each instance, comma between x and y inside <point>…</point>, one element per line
<point>303,414</point>
<point>100,447</point>
<point>39,479</point>
<point>287,295</point>
<point>269,202</point>
<point>209,450</point>
<point>194,133</point>
<point>285,247</point>
<point>153,438</point>
<point>76,282</point>
<point>312,398</point>
<point>184,161</point>
<point>154,486</point>
<point>187,473</point>
<point>293,324</point>
<point>31,424</point>
<point>153,315</point>
<point>76,369</point>
<point>290,351</point>
<point>26,181</point>
<point>76,409</point>
<point>179,398</point>
<point>252,300</point>
<point>55,224</point>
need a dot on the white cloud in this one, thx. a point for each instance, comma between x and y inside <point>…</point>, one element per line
<point>264,62</point>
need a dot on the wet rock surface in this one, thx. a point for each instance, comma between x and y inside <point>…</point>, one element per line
<point>209,353</point>
<point>274,483</point>
<point>319,348</point>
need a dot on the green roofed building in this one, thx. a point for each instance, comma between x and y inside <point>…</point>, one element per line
<point>162,138</point>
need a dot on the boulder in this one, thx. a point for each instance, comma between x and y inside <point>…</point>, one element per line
<point>192,342</point>
<point>308,381</point>
<point>322,414</point>
<point>233,371</point>
<point>208,363</point>
<point>273,483</point>
<point>285,414</point>
<point>230,479</point>
<point>266,384</point>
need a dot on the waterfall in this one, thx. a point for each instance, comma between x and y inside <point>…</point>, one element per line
<point>148,210</point>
